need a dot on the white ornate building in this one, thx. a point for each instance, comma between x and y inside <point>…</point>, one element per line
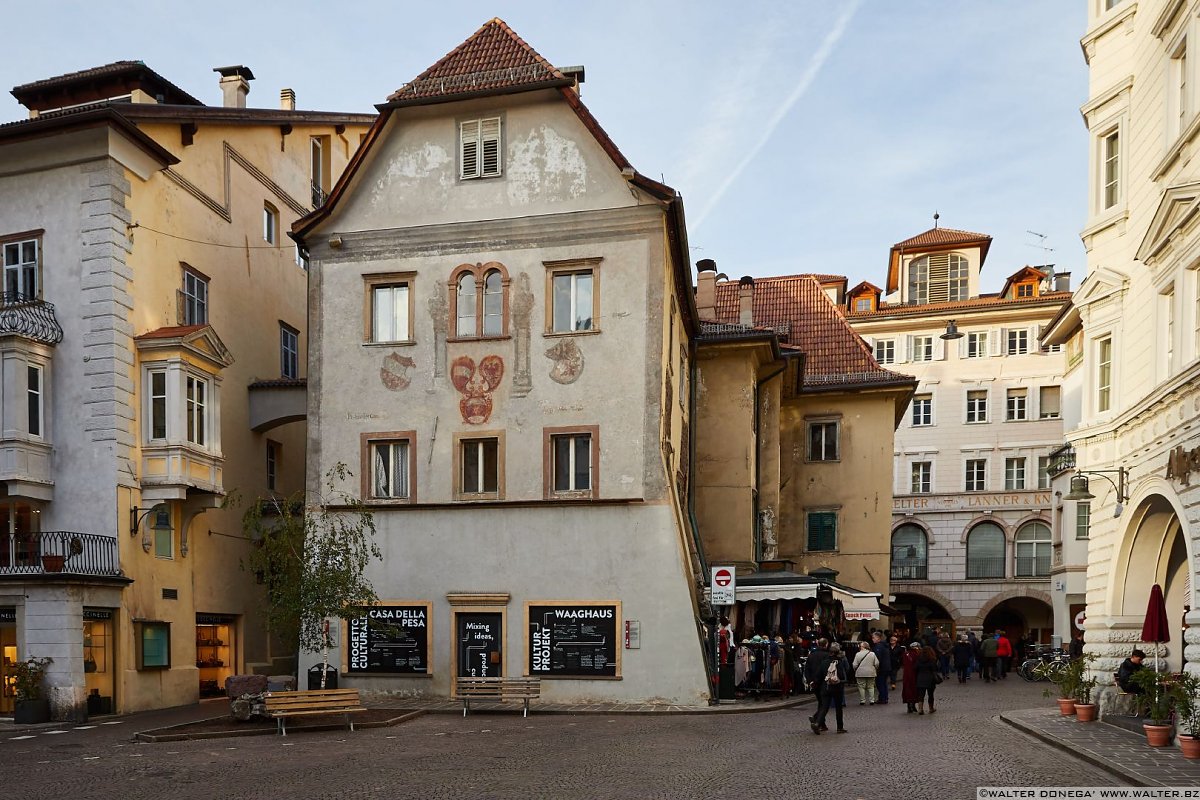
<point>970,533</point>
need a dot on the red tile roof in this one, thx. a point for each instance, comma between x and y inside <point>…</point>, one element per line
<point>936,236</point>
<point>834,354</point>
<point>171,332</point>
<point>982,302</point>
<point>494,57</point>
<point>865,286</point>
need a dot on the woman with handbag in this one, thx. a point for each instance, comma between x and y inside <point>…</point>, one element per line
<point>929,675</point>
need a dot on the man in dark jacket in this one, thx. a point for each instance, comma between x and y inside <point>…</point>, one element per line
<point>883,675</point>
<point>830,692</point>
<point>1128,667</point>
<point>817,653</point>
<point>897,648</point>
<point>1076,649</point>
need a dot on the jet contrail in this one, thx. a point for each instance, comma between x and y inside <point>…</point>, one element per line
<point>810,73</point>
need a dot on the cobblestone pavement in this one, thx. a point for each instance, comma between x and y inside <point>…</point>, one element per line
<point>886,753</point>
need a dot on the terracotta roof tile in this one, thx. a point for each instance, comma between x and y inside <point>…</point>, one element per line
<point>171,332</point>
<point>936,236</point>
<point>984,301</point>
<point>280,383</point>
<point>834,354</point>
<point>494,57</point>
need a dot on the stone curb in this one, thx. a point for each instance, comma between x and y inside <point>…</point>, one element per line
<point>154,736</point>
<point>1133,778</point>
<point>694,711</point>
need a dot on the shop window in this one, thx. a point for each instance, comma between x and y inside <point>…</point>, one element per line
<point>215,653</point>
<point>154,645</point>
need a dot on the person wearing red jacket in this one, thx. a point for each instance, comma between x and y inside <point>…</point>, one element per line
<point>1004,651</point>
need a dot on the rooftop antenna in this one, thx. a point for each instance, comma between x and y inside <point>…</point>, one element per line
<point>936,217</point>
<point>1041,243</point>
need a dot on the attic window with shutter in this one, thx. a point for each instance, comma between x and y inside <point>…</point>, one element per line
<point>479,148</point>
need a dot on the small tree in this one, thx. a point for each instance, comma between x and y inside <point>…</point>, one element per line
<point>313,561</point>
<point>27,677</point>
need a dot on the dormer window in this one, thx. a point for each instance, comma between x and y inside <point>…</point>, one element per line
<point>938,278</point>
<point>1025,289</point>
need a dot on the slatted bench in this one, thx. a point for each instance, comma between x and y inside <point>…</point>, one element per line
<point>499,689</point>
<point>283,705</point>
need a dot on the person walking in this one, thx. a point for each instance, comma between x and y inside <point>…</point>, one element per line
<point>928,675</point>
<point>830,676</point>
<point>1076,649</point>
<point>988,649</point>
<point>962,658</point>
<point>909,692</point>
<point>898,651</point>
<point>866,669</point>
<point>884,673</point>
<point>976,660</point>
<point>944,646</point>
<point>1004,652</point>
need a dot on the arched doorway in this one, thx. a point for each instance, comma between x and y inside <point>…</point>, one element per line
<point>921,613</point>
<point>1157,554</point>
<point>1020,617</point>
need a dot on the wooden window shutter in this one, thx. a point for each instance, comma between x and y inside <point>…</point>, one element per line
<point>1001,347</point>
<point>489,136</point>
<point>939,278</point>
<point>469,133</point>
<point>939,349</point>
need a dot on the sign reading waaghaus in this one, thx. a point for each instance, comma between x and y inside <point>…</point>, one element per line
<point>391,639</point>
<point>573,640</point>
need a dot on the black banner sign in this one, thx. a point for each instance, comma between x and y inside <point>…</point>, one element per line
<point>8,615</point>
<point>578,641</point>
<point>97,613</point>
<point>480,645</point>
<point>391,639</point>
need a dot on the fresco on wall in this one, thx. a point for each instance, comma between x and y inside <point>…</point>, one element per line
<point>522,314</point>
<point>439,313</point>
<point>568,361</point>
<point>476,384</point>
<point>394,372</point>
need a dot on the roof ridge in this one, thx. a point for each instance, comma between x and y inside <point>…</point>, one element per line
<point>471,52</point>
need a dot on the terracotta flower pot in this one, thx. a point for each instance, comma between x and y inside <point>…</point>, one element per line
<point>53,563</point>
<point>1157,735</point>
<point>1066,706</point>
<point>1086,712</point>
<point>1189,746</point>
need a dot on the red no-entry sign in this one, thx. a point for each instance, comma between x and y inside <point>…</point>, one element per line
<point>722,577</point>
<point>724,585</point>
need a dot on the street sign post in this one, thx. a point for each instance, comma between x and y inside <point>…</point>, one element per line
<point>724,585</point>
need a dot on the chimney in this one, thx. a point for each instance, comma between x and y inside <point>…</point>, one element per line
<point>746,300</point>
<point>706,289</point>
<point>287,99</point>
<point>235,85</point>
<point>1062,282</point>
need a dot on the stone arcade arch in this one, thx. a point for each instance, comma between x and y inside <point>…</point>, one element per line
<point>1153,549</point>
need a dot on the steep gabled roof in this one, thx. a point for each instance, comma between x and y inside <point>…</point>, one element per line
<point>1025,273</point>
<point>835,356</point>
<point>492,59</point>
<point>866,287</point>
<point>935,239</point>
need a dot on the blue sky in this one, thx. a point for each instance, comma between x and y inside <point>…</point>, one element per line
<point>804,136</point>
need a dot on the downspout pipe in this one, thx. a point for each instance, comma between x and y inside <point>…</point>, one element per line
<point>754,489</point>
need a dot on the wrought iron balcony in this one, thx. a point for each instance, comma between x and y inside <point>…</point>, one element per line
<point>1061,460</point>
<point>910,570</point>
<point>29,317</point>
<point>52,552</point>
<point>318,196</point>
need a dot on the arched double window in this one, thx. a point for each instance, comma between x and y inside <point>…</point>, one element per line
<point>479,300</point>
<point>910,554</point>
<point>937,278</point>
<point>985,551</point>
<point>1033,550</point>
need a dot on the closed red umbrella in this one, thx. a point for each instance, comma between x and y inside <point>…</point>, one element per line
<point>1155,628</point>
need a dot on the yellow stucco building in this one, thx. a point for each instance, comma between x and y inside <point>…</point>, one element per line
<point>153,333</point>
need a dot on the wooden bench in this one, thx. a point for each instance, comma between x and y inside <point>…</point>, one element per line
<point>500,689</point>
<point>283,705</point>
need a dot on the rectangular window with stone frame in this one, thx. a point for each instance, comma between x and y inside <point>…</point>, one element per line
<point>821,531</point>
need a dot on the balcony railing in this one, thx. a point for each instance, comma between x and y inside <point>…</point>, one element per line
<point>911,571</point>
<point>318,196</point>
<point>1033,566</point>
<point>29,317</point>
<point>1061,460</point>
<point>63,552</point>
<point>985,567</point>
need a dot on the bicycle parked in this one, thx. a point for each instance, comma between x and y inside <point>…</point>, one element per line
<point>1054,660</point>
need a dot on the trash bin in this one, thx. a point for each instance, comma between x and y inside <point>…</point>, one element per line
<point>314,677</point>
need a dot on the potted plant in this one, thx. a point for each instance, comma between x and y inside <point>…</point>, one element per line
<point>1065,679</point>
<point>1187,713</point>
<point>1085,709</point>
<point>31,708</point>
<point>1159,700</point>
